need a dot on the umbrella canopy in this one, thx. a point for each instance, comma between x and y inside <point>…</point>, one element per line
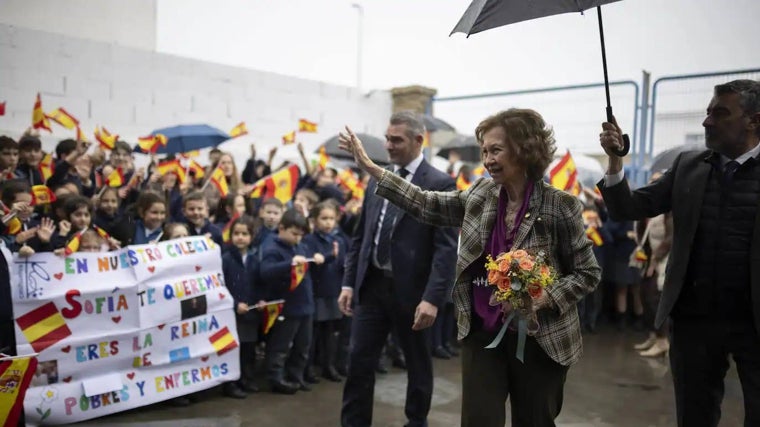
<point>467,147</point>
<point>184,138</point>
<point>484,15</point>
<point>374,146</point>
<point>665,159</point>
<point>434,124</point>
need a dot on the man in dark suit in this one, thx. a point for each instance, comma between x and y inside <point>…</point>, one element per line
<point>712,282</point>
<point>398,272</point>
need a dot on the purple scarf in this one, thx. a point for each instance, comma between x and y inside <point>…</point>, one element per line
<point>498,242</point>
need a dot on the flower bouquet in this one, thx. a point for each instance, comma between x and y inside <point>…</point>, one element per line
<point>518,278</point>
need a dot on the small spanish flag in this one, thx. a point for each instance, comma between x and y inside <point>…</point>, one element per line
<point>80,135</point>
<point>641,255</point>
<point>47,166</point>
<point>191,154</point>
<point>168,167</point>
<point>227,230</point>
<point>102,233</point>
<point>223,341</point>
<point>307,126</point>
<point>15,375</point>
<point>271,313</point>
<point>195,167</point>
<point>116,178</point>
<point>323,158</point>
<point>105,138</point>
<point>63,118</point>
<point>462,182</point>
<point>348,180</point>
<point>73,244</point>
<point>297,273</point>
<point>220,182</point>
<point>593,234</point>
<point>42,195</point>
<point>150,143</point>
<point>43,326</point>
<point>289,138</point>
<point>280,185</point>
<point>12,223</point>
<point>239,130</point>
<point>39,119</point>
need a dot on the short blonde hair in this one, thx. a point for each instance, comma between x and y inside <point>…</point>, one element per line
<point>532,141</point>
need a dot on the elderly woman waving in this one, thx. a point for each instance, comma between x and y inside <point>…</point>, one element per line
<point>515,213</point>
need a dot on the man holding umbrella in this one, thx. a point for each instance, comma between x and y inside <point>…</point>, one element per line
<point>712,282</point>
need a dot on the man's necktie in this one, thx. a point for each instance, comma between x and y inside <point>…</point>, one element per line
<point>729,170</point>
<point>384,242</point>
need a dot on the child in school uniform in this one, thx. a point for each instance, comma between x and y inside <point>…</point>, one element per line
<point>326,279</point>
<point>284,268</point>
<point>270,213</point>
<point>241,267</point>
<point>108,214</point>
<point>30,234</point>
<point>195,210</point>
<point>175,230</point>
<point>76,217</point>
<point>228,207</point>
<point>151,214</point>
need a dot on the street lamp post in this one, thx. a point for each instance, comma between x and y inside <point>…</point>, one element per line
<point>359,37</point>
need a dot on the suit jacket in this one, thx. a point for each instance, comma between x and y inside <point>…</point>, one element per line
<point>552,223</point>
<point>680,191</point>
<point>422,256</point>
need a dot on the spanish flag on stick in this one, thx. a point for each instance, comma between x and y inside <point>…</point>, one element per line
<point>11,222</point>
<point>271,313</point>
<point>219,181</point>
<point>564,175</point>
<point>593,234</point>
<point>151,143</point>
<point>348,180</point>
<point>73,244</point>
<point>462,182</point>
<point>106,139</point>
<point>46,166</point>
<point>80,135</point>
<point>297,273</point>
<point>306,126</point>
<point>239,130</point>
<point>227,230</point>
<point>42,195</point>
<point>281,184</point>
<point>39,119</point>
<point>116,178</point>
<point>289,138</point>
<point>63,118</point>
<point>323,158</point>
<point>15,375</point>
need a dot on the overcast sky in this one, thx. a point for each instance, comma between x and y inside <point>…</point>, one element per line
<point>407,42</point>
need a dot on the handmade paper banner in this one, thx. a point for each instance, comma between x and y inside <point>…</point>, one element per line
<point>123,329</point>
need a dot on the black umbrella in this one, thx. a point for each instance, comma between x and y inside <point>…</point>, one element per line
<point>433,124</point>
<point>467,147</point>
<point>374,146</point>
<point>665,159</point>
<point>483,15</point>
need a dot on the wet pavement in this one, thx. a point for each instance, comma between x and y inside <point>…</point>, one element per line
<point>610,386</point>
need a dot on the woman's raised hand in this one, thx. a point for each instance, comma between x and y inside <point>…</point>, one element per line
<point>348,141</point>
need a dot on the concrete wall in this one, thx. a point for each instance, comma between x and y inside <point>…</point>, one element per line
<point>128,23</point>
<point>133,91</point>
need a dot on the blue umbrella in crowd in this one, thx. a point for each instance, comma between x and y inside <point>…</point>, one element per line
<point>184,138</point>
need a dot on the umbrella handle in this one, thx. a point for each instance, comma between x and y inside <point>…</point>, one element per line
<point>626,141</point>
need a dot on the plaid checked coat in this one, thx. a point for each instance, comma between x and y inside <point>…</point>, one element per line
<point>552,223</point>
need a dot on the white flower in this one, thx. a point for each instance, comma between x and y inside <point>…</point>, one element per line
<point>49,394</point>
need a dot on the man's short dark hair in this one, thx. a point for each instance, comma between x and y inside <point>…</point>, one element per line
<point>122,146</point>
<point>29,143</point>
<point>192,196</point>
<point>13,187</point>
<point>272,201</point>
<point>8,143</point>
<point>749,95</point>
<point>413,121</point>
<point>64,148</point>
<point>293,218</point>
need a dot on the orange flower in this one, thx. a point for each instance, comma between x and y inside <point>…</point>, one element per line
<point>504,284</point>
<point>534,290</point>
<point>545,271</point>
<point>504,265</point>
<point>519,254</point>
<point>526,264</point>
<point>494,277</point>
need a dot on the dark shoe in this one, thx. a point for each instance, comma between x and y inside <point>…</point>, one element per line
<point>233,391</point>
<point>451,350</point>
<point>331,374</point>
<point>180,402</point>
<point>248,386</point>
<point>441,353</point>
<point>283,387</point>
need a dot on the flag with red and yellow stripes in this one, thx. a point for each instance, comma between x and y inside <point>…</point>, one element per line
<point>63,118</point>
<point>115,178</point>
<point>306,126</point>
<point>12,223</point>
<point>43,326</point>
<point>297,273</point>
<point>39,119</point>
<point>348,180</point>
<point>280,185</point>
<point>289,138</point>
<point>271,313</point>
<point>106,139</point>
<point>593,234</point>
<point>462,182</point>
<point>223,341</point>
<point>564,175</point>
<point>151,143</point>
<point>15,375</point>
<point>219,181</point>
<point>73,244</point>
<point>239,130</point>
<point>323,158</point>
<point>81,136</point>
<point>42,195</point>
<point>196,168</point>
<point>46,166</point>
<point>227,230</point>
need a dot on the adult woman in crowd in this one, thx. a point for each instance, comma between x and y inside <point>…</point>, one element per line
<point>514,209</point>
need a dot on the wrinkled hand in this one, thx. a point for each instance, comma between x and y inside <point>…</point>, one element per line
<point>45,230</point>
<point>611,137</point>
<point>424,315</point>
<point>344,301</point>
<point>349,142</point>
<point>319,259</point>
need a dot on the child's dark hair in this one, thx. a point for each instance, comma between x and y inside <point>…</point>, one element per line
<point>8,143</point>
<point>248,222</point>
<point>227,202</point>
<point>109,189</point>
<point>325,204</point>
<point>75,203</point>
<point>169,228</point>
<point>272,202</point>
<point>13,187</point>
<point>64,148</point>
<point>192,196</point>
<point>146,199</point>
<point>309,194</point>
<point>123,146</point>
<point>293,218</point>
<point>29,143</point>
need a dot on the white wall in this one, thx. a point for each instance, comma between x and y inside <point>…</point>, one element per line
<point>128,23</point>
<point>133,91</point>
